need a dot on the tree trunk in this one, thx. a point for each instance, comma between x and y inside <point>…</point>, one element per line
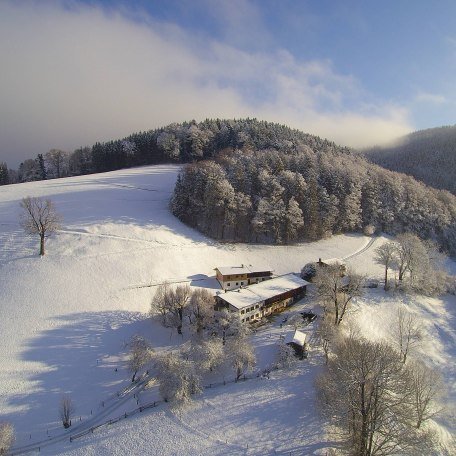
<point>42,244</point>
<point>386,278</point>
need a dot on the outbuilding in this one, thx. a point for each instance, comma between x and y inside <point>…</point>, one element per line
<point>297,340</point>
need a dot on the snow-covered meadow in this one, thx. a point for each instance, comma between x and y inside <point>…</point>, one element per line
<point>65,318</point>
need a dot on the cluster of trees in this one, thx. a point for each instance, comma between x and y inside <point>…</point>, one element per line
<point>218,341</point>
<point>418,264</point>
<point>377,402</point>
<point>53,164</point>
<point>269,196</point>
<point>374,393</point>
<point>428,155</point>
<point>181,143</point>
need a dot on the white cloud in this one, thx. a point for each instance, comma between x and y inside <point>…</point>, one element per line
<point>432,98</point>
<point>72,77</point>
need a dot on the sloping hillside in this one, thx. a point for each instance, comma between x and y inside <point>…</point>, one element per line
<point>66,317</point>
<point>428,155</point>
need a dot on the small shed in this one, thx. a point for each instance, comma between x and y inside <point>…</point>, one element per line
<point>297,340</point>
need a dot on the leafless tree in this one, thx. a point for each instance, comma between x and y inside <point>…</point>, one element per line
<point>140,353</point>
<point>407,332</point>
<point>57,161</point>
<point>171,303</point>
<point>427,388</point>
<point>240,355</point>
<point>384,255</point>
<point>201,309</point>
<point>364,392</point>
<point>178,378</point>
<point>207,354</point>
<point>39,217</point>
<point>227,324</point>
<point>66,410</point>
<point>6,437</point>
<point>326,332</point>
<point>337,291</point>
<point>158,303</point>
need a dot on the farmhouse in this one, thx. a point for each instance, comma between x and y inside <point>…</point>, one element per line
<point>259,300</point>
<point>232,277</point>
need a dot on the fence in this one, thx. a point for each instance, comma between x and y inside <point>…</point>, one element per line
<point>156,403</point>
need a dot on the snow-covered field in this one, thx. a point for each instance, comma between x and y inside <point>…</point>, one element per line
<point>65,318</point>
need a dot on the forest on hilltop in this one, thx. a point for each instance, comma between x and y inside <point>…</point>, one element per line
<point>176,143</point>
<point>428,155</point>
<point>306,194</point>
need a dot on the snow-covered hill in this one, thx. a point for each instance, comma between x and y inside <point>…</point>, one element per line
<point>65,318</point>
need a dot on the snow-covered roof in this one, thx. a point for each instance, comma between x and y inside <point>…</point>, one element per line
<point>246,296</point>
<point>333,261</point>
<point>298,338</point>
<point>241,269</point>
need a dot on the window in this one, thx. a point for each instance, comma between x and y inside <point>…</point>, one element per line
<point>256,307</point>
<point>242,311</point>
<point>237,283</point>
<point>242,283</point>
<point>228,284</point>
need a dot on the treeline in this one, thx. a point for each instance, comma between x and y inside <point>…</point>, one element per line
<point>428,155</point>
<point>179,143</point>
<point>272,197</point>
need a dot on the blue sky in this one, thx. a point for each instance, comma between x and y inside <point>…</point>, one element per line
<point>357,72</point>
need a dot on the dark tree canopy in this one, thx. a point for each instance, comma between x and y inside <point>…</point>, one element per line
<point>427,155</point>
<point>307,193</point>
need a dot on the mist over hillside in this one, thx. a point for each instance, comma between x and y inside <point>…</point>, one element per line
<point>428,155</point>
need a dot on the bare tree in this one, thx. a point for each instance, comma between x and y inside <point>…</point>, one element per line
<point>337,291</point>
<point>171,303</point>
<point>365,394</point>
<point>384,255</point>
<point>158,304</point>
<point>409,253</point>
<point>227,324</point>
<point>140,353</point>
<point>427,388</point>
<point>6,437</point>
<point>178,378</point>
<point>208,354</point>
<point>39,217</point>
<point>57,161</point>
<point>201,309</point>
<point>240,355</point>
<point>326,332</point>
<point>407,332</point>
<point>66,410</point>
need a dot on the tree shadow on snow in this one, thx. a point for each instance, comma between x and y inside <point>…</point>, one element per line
<point>83,356</point>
